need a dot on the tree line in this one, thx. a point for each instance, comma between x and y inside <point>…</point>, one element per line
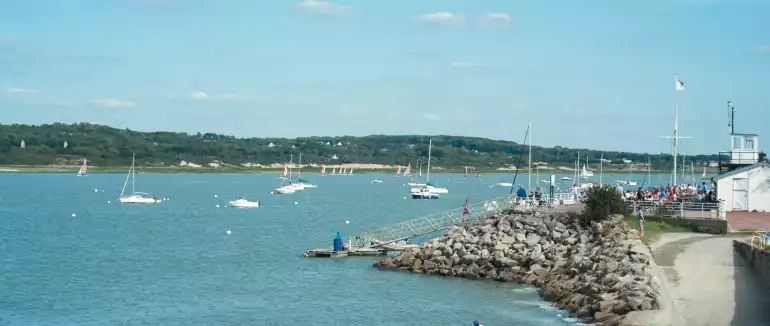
<point>107,146</point>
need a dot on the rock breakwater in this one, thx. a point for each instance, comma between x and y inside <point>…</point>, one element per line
<point>598,272</point>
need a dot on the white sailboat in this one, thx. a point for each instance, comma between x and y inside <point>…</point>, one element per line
<point>135,197</point>
<point>429,191</point>
<point>301,182</point>
<point>585,174</point>
<point>286,189</point>
<point>83,168</point>
<point>377,180</point>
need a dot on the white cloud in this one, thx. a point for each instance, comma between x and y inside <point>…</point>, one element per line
<point>199,96</point>
<point>445,18</point>
<point>113,103</point>
<point>464,64</point>
<point>764,49</point>
<point>202,96</point>
<point>496,19</point>
<point>14,90</point>
<point>431,116</point>
<point>324,8</point>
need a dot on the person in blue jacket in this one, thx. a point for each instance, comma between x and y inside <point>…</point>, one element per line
<point>521,193</point>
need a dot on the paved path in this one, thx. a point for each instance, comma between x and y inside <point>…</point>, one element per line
<point>709,284</point>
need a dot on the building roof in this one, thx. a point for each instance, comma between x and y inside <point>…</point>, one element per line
<point>743,169</point>
<point>742,134</point>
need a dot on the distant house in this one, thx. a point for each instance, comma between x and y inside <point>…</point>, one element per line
<point>627,161</point>
<point>745,189</point>
<point>271,145</point>
<point>339,144</point>
<point>334,157</point>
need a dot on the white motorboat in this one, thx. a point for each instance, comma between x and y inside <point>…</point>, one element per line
<point>243,203</point>
<point>424,194</point>
<point>565,178</point>
<point>412,184</point>
<point>376,181</point>
<point>297,186</point>
<point>504,184</point>
<point>285,190</point>
<point>135,197</point>
<point>308,185</point>
<point>437,190</point>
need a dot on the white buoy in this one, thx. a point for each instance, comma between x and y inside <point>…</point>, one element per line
<point>295,203</point>
<point>108,202</point>
<point>404,197</point>
<point>73,215</point>
<point>217,205</point>
<point>216,196</point>
<point>347,222</point>
<point>96,190</point>
<point>228,232</point>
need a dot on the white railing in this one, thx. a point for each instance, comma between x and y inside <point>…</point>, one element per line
<point>685,209</point>
<point>443,220</point>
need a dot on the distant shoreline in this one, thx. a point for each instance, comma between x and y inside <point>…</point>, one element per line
<point>308,171</point>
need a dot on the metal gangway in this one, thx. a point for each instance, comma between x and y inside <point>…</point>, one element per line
<point>456,216</point>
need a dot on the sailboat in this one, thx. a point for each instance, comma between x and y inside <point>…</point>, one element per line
<point>285,189</point>
<point>429,191</point>
<point>398,172</point>
<point>83,168</point>
<point>135,197</point>
<point>302,183</point>
<point>323,170</point>
<point>585,174</point>
<point>408,170</point>
<point>377,180</point>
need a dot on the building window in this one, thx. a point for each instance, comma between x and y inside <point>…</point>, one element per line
<point>737,142</point>
<point>749,144</point>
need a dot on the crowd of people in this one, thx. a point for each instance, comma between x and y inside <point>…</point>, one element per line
<point>703,192</point>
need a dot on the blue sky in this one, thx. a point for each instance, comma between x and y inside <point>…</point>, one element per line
<point>590,74</point>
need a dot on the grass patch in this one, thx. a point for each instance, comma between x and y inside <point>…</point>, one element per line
<point>654,228</point>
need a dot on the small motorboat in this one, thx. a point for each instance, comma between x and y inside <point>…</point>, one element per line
<point>424,194</point>
<point>376,181</point>
<point>504,184</point>
<point>285,190</point>
<point>137,198</point>
<point>243,203</point>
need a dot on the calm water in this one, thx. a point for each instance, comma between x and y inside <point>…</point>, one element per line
<point>172,264</point>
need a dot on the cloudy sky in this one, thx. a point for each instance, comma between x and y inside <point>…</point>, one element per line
<point>591,74</point>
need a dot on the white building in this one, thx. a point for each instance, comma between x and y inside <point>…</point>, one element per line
<point>745,189</point>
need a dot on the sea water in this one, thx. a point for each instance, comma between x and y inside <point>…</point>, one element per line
<point>71,255</point>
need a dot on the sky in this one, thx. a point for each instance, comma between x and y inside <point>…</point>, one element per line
<point>589,74</point>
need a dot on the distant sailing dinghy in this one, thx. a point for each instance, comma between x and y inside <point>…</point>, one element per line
<point>135,197</point>
<point>83,168</point>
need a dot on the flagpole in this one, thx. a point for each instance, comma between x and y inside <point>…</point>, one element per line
<point>676,126</point>
<point>529,168</point>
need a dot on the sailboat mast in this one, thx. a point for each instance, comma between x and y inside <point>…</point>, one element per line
<point>133,173</point>
<point>430,145</point>
<point>529,164</point>
<point>577,168</point>
<point>299,170</point>
<point>601,169</point>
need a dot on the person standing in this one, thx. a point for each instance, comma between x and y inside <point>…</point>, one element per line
<point>641,224</point>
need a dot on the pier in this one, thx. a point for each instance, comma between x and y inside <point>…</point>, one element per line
<point>382,240</point>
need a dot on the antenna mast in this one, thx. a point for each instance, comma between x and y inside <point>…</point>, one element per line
<point>731,117</point>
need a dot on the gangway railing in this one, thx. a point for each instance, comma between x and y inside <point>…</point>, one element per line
<point>443,220</point>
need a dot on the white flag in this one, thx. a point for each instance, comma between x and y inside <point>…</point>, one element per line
<point>679,84</point>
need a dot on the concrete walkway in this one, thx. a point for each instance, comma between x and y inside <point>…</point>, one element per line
<point>708,283</point>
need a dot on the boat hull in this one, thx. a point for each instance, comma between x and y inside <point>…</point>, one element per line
<point>422,195</point>
<point>247,204</point>
<point>138,200</point>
